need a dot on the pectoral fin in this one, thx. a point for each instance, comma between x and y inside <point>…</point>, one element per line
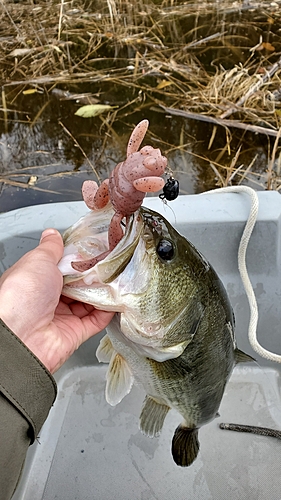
<point>185,446</point>
<point>152,417</point>
<point>119,380</point>
<point>105,350</point>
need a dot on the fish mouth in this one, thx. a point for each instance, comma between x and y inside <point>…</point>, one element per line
<point>114,264</point>
<point>86,239</point>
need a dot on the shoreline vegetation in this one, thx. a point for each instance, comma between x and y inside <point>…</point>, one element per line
<point>217,62</point>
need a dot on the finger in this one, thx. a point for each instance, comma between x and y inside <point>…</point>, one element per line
<point>67,300</point>
<point>95,322</point>
<point>78,309</point>
<point>51,242</point>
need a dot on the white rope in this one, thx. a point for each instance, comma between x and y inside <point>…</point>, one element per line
<point>252,331</point>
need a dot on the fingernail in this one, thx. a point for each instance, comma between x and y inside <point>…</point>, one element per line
<point>47,232</point>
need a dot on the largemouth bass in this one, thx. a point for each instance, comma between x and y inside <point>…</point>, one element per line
<point>173,331</point>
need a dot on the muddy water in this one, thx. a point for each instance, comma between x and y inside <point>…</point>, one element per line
<point>42,163</point>
<point>46,151</point>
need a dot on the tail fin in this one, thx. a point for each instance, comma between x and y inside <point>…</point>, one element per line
<point>185,446</point>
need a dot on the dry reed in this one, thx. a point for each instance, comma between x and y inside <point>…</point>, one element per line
<point>193,58</point>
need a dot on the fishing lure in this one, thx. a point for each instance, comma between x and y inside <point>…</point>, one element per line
<point>170,190</point>
<point>126,187</point>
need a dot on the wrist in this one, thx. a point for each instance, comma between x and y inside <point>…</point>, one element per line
<point>12,316</point>
<point>37,341</point>
<point>15,304</point>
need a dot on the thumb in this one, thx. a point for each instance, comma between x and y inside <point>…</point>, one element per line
<point>51,242</point>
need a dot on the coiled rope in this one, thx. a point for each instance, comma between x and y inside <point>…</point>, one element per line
<point>254,315</point>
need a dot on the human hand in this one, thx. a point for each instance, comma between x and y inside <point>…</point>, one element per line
<point>31,305</point>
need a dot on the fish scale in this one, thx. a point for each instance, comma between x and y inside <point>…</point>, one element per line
<point>174,331</point>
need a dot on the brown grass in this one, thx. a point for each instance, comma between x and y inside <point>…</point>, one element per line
<point>196,57</point>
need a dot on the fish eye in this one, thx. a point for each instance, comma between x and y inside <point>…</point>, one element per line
<point>165,250</point>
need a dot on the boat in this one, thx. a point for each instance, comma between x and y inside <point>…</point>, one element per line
<point>89,450</point>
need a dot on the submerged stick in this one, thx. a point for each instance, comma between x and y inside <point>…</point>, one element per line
<point>219,121</point>
<point>272,160</point>
<point>252,429</point>
<point>204,40</point>
<point>5,110</point>
<point>81,149</point>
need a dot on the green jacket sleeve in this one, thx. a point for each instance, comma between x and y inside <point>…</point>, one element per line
<point>27,392</point>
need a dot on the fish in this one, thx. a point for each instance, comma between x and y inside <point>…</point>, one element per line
<point>174,329</point>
